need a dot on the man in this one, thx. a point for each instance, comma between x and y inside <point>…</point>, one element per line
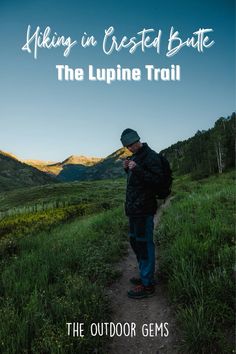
<point>144,174</point>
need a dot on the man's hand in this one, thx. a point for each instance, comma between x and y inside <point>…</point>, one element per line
<point>131,164</point>
<point>126,163</point>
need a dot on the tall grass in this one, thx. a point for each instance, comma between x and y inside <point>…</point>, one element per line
<point>196,240</point>
<point>58,277</point>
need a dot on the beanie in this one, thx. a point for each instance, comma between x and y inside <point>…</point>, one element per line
<point>129,136</point>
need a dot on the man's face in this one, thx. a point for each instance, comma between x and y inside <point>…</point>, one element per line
<point>134,147</point>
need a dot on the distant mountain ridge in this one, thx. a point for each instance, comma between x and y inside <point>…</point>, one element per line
<point>83,160</point>
<point>17,173</point>
<point>54,168</point>
<point>80,168</point>
<point>109,167</point>
<point>206,153</point>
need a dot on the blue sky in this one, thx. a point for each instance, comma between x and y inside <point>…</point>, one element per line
<point>43,118</point>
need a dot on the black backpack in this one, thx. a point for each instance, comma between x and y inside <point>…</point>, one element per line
<point>164,188</point>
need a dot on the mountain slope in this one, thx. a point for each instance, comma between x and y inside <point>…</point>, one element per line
<point>15,174</point>
<point>207,152</point>
<point>110,167</point>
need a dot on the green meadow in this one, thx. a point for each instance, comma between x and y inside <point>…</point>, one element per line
<point>59,245</point>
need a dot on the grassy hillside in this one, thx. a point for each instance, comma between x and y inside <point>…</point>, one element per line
<point>60,194</point>
<point>15,174</point>
<point>33,209</point>
<point>196,241</point>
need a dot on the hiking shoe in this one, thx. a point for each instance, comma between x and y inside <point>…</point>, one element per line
<point>138,281</point>
<point>141,291</point>
<point>135,281</point>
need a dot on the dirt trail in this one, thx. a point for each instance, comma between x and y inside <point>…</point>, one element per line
<point>144,311</point>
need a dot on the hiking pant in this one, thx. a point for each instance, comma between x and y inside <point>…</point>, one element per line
<point>141,240</point>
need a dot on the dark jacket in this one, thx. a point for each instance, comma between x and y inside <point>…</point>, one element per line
<point>142,182</point>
